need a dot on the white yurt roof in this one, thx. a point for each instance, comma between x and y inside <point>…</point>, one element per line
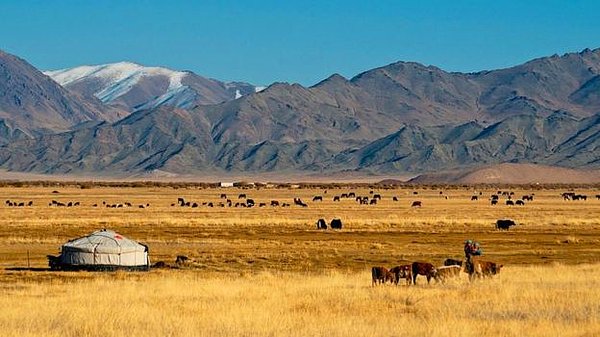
<point>104,241</point>
<point>104,248</point>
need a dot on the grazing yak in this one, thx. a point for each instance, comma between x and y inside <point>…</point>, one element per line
<point>336,224</point>
<point>510,203</point>
<point>181,259</point>
<point>299,202</point>
<point>321,224</point>
<point>402,272</point>
<point>317,198</point>
<point>504,224</point>
<point>336,198</point>
<point>381,275</point>
<point>423,268</point>
<point>474,198</point>
<point>416,204</point>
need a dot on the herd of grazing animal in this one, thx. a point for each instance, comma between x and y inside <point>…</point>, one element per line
<point>451,269</point>
<point>509,198</point>
<point>11,203</point>
<point>244,202</point>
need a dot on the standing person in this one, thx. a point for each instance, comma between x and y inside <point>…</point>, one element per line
<point>471,248</point>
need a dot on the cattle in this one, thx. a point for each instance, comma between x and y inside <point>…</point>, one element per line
<point>520,203</point>
<point>453,262</point>
<point>188,204</point>
<point>21,204</point>
<point>70,204</point>
<point>416,204</point>
<point>373,202</point>
<point>494,202</point>
<point>336,224</point>
<point>160,264</point>
<point>510,203</point>
<point>415,192</point>
<point>371,192</point>
<point>504,224</point>
<point>250,202</point>
<point>598,196</point>
<point>336,198</point>
<point>55,192</point>
<point>423,268</point>
<point>285,204</point>
<point>527,198</point>
<point>299,202</point>
<point>141,206</point>
<point>274,203</point>
<point>446,272</point>
<point>76,203</point>
<point>381,275</point>
<point>377,196</point>
<point>181,201</point>
<point>30,203</point>
<point>494,197</point>
<point>402,272</point>
<point>242,196</point>
<point>395,198</point>
<point>195,205</point>
<point>344,195</point>
<point>351,195</point>
<point>482,268</point>
<point>474,198</point>
<point>210,204</point>
<point>181,259</point>
<point>580,197</point>
<point>223,196</point>
<point>262,204</point>
<point>95,205</point>
<point>317,198</point>
<point>321,224</point>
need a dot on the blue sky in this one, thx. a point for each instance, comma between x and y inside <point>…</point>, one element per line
<point>295,41</point>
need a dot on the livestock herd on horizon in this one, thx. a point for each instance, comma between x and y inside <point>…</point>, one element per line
<point>243,201</point>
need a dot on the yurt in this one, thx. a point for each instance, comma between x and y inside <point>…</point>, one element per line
<point>102,250</point>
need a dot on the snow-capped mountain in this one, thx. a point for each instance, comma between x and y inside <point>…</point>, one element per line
<point>135,87</point>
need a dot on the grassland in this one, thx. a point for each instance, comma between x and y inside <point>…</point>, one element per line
<point>268,271</point>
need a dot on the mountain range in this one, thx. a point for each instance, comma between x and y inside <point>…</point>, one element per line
<point>405,117</point>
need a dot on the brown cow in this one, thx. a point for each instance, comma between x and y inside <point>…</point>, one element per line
<point>404,271</point>
<point>482,268</point>
<point>423,268</point>
<point>446,272</point>
<point>381,274</point>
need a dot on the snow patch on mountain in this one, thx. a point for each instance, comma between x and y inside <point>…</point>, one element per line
<point>118,78</point>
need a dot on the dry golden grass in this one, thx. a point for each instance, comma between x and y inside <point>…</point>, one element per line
<point>521,301</point>
<point>268,271</point>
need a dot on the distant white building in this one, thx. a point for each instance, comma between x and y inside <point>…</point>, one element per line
<point>226,184</point>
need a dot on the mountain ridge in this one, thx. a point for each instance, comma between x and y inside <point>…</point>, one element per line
<point>402,118</point>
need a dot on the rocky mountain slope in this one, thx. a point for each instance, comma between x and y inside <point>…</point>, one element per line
<point>404,117</point>
<point>32,104</point>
